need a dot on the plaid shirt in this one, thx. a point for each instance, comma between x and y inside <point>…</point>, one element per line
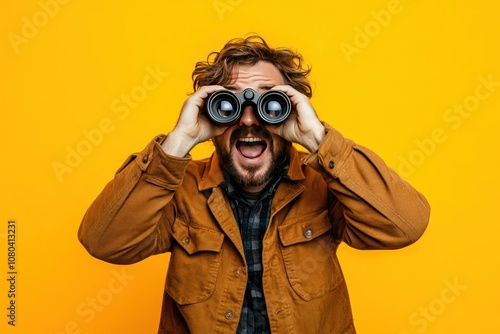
<point>253,218</point>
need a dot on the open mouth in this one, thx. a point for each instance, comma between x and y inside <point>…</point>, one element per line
<point>251,148</point>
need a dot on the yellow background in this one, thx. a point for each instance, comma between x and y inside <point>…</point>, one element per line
<point>66,75</point>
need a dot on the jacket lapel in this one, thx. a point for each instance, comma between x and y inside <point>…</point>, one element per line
<point>221,209</point>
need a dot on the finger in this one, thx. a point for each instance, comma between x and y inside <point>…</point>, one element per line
<point>294,95</point>
<point>207,90</point>
<point>201,94</point>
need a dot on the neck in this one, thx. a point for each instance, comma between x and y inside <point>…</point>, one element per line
<point>251,197</point>
<point>254,189</point>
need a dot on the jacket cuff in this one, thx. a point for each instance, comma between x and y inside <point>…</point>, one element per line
<point>332,154</point>
<point>160,168</point>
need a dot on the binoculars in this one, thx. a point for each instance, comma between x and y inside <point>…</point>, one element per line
<point>225,107</point>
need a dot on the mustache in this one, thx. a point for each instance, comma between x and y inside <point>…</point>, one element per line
<point>253,130</point>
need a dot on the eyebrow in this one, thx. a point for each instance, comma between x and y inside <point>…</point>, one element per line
<point>262,86</point>
<point>266,86</point>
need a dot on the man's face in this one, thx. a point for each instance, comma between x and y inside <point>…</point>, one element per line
<point>248,151</point>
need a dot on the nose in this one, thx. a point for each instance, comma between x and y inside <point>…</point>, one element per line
<point>249,116</point>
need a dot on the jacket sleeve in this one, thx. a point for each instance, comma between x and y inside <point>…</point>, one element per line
<point>129,220</point>
<point>376,208</point>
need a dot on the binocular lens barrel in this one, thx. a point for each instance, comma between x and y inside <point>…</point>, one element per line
<point>225,107</point>
<point>274,107</point>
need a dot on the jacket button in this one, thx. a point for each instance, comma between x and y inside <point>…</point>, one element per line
<point>237,273</point>
<point>229,315</point>
<point>145,159</point>
<point>186,241</point>
<point>331,164</point>
<point>308,233</point>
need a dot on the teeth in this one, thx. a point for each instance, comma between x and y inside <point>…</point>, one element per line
<point>250,140</point>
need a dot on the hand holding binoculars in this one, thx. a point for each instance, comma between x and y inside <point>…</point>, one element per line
<point>225,107</point>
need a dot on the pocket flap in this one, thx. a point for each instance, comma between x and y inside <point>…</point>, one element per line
<point>305,228</point>
<point>195,238</point>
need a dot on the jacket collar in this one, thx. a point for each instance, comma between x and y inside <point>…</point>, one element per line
<point>213,175</point>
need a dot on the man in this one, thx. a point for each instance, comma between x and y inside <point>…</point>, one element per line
<point>253,230</point>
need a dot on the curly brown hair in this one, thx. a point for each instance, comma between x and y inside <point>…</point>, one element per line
<point>218,67</point>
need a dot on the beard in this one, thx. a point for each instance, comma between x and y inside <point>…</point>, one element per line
<point>255,175</point>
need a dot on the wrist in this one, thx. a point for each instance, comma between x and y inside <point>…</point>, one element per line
<point>178,145</point>
<point>314,138</point>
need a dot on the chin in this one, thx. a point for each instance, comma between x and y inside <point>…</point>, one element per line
<point>255,180</point>
<point>250,176</point>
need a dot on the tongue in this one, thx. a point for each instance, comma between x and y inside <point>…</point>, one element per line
<point>251,151</point>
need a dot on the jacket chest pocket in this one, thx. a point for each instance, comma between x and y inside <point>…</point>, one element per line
<point>309,254</point>
<point>194,263</point>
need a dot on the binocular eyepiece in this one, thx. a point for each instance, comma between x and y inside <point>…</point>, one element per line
<point>224,107</point>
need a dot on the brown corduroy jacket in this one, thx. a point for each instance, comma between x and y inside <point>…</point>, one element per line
<point>341,193</point>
